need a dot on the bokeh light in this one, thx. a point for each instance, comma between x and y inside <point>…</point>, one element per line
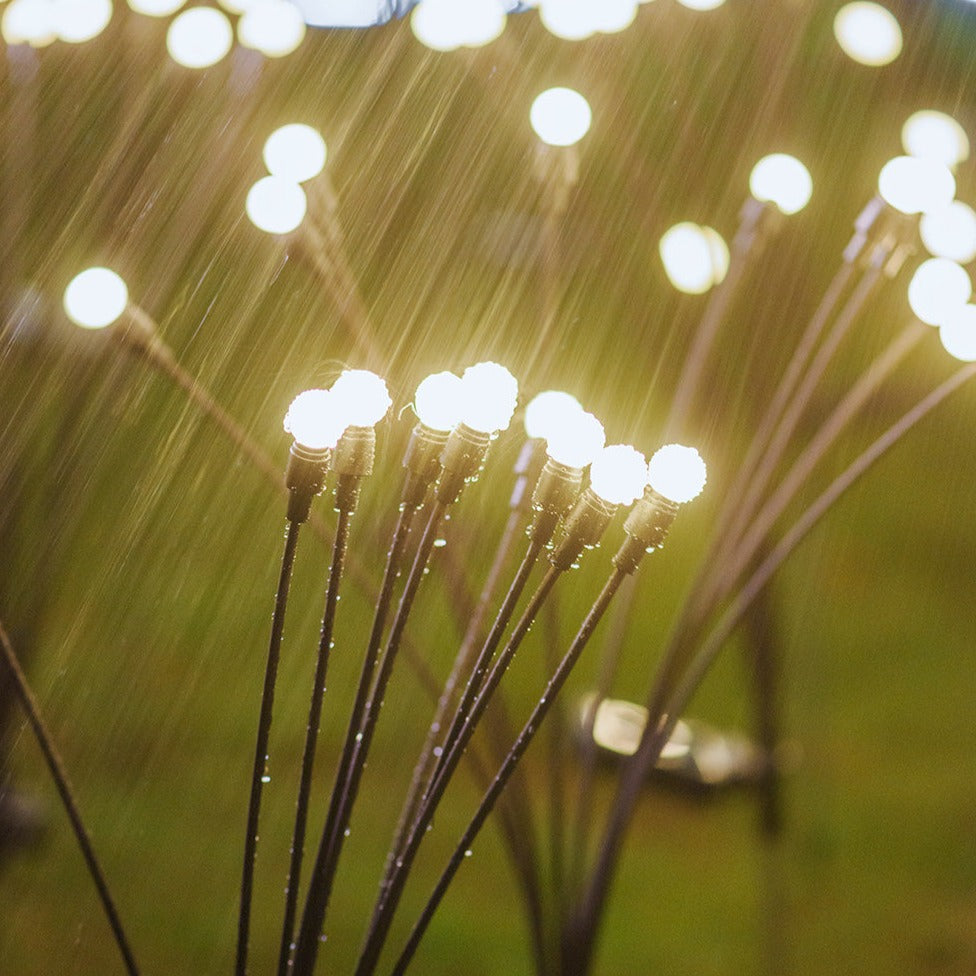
<point>868,33</point>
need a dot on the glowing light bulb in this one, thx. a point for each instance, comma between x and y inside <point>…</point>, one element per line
<point>677,472</point>
<point>701,4</point>
<point>937,136</point>
<point>914,185</point>
<point>489,394</point>
<point>444,25</point>
<point>199,37</point>
<point>361,397</point>
<point>77,21</point>
<point>782,180</point>
<point>276,205</point>
<point>695,258</point>
<point>570,20</point>
<point>273,27</point>
<point>577,440</point>
<point>313,420</point>
<point>560,116</point>
<point>295,152</point>
<point>546,411</point>
<point>958,333</point>
<point>613,16</point>
<point>938,288</point>
<point>237,7</point>
<point>95,298</point>
<point>618,474</point>
<point>950,232</point>
<point>438,401</point>
<point>868,33</point>
<point>155,8</point>
<point>28,22</point>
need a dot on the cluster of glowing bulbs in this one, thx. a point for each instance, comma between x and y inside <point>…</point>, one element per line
<point>318,418</point>
<point>42,22</point>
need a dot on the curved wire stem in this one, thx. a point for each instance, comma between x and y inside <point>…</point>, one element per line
<point>259,769</point>
<point>55,766</point>
<point>311,738</point>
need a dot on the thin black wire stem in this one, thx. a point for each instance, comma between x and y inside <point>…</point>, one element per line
<point>391,891</point>
<point>311,737</point>
<point>525,737</point>
<point>580,939</point>
<point>55,766</point>
<point>259,770</point>
<point>369,700</point>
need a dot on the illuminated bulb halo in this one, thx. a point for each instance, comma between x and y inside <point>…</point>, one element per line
<point>958,334</point>
<point>28,22</point>
<point>677,472</point>
<point>444,25</point>
<point>701,4</point>
<point>613,16</point>
<point>934,135</point>
<point>275,205</point>
<point>547,410</point>
<point>489,396</point>
<point>199,37</point>
<point>312,419</point>
<point>950,232</point>
<point>618,474</point>
<point>913,185</point>
<point>273,27</point>
<point>783,180</point>
<point>569,20</point>
<point>437,401</point>
<point>938,287</point>
<point>560,116</point>
<point>361,398</point>
<point>576,441</point>
<point>155,8</point>
<point>95,298</point>
<point>295,152</point>
<point>77,21</point>
<point>694,258</point>
<point>868,33</point>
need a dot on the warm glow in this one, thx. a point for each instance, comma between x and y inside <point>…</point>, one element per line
<point>570,20</point>
<point>95,298</point>
<point>444,25</point>
<point>438,401</point>
<point>936,136</point>
<point>548,410</point>
<point>560,116</point>
<point>701,4</point>
<point>156,8</point>
<point>77,21</point>
<point>275,205</point>
<point>782,180</point>
<point>295,152</point>
<point>958,334</point>
<point>312,419</point>
<point>618,474</point>
<point>361,398</point>
<point>612,16</point>
<point>490,394</point>
<point>914,185</point>
<point>868,33</point>
<point>950,232</point>
<point>937,289</point>
<point>199,37</point>
<point>273,27</point>
<point>677,473</point>
<point>695,258</point>
<point>576,441</point>
<point>28,22</point>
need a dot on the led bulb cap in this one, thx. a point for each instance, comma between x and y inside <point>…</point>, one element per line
<point>422,459</point>
<point>352,460</point>
<point>582,528</point>
<point>462,458</point>
<point>647,527</point>
<point>304,478</point>
<point>557,488</point>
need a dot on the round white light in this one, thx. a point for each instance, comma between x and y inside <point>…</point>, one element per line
<point>314,422</point>
<point>438,401</point>
<point>912,185</point>
<point>695,258</point>
<point>95,298</point>
<point>77,21</point>
<point>868,33</point>
<point>444,25</point>
<point>618,474</point>
<point>275,205</point>
<point>547,410</point>
<point>199,37</point>
<point>28,22</point>
<point>237,7</point>
<point>295,152</point>
<point>155,8</point>
<point>273,27</point>
<point>958,334</point>
<point>570,20</point>
<point>950,232</point>
<point>782,180</point>
<point>560,116</point>
<point>937,289</point>
<point>361,398</point>
<point>677,473</point>
<point>613,16</point>
<point>576,441</point>
<point>701,4</point>
<point>937,136</point>
<point>489,395</point>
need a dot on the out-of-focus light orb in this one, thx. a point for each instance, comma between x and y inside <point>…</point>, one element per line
<point>560,116</point>
<point>570,20</point>
<point>275,205</point>
<point>312,419</point>
<point>95,298</point>
<point>28,22</point>
<point>295,152</point>
<point>547,411</point>
<point>489,396</point>
<point>444,25</point>
<point>937,136</point>
<point>677,472</point>
<point>237,7</point>
<point>783,180</point>
<point>914,185</point>
<point>199,37</point>
<point>618,474</point>
<point>937,289</point>
<point>77,21</point>
<point>868,33</point>
<point>273,27</point>
<point>438,401</point>
<point>958,334</point>
<point>950,232</point>
<point>695,258</point>
<point>576,441</point>
<point>361,398</point>
<point>613,16</point>
<point>701,4</point>
<point>155,8</point>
